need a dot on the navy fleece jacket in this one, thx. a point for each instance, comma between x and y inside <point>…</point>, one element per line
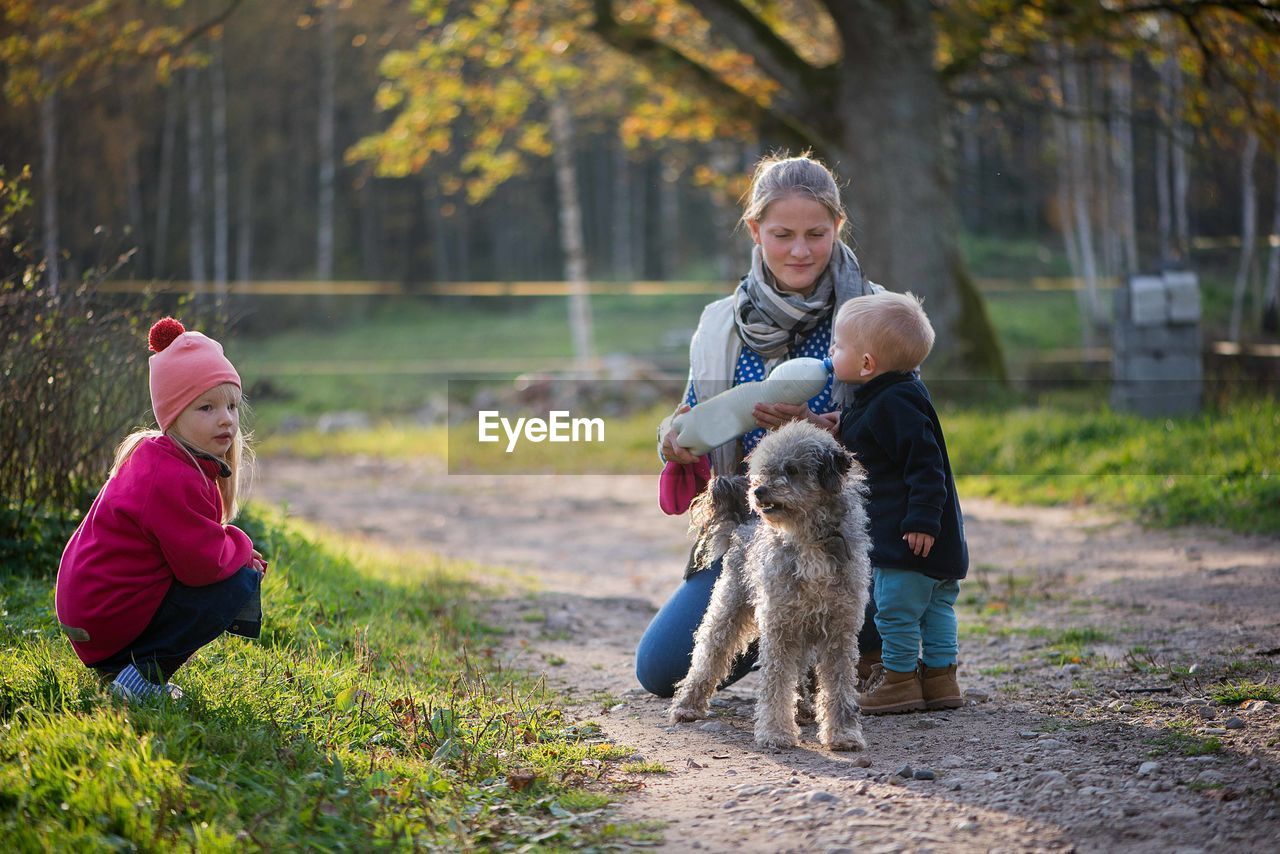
<point>893,430</point>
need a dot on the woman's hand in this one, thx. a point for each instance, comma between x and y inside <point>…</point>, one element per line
<point>771,416</point>
<point>671,450</point>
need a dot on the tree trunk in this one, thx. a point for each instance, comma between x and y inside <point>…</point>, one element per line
<point>164,187</point>
<point>1270,308</point>
<point>1164,198</point>
<point>1181,149</point>
<point>328,82</point>
<point>968,125</point>
<point>899,192</point>
<point>221,179</point>
<point>1064,201</point>
<point>431,201</point>
<point>1121,126</point>
<point>49,183</point>
<point>668,215</point>
<point>370,229</point>
<point>571,235</point>
<point>195,183</point>
<point>623,266</point>
<point>1248,232</point>
<point>724,160</point>
<point>244,220</point>
<point>1078,177</point>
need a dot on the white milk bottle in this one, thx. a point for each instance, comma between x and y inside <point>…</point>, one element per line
<point>727,416</point>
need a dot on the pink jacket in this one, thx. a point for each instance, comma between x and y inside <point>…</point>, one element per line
<point>157,520</point>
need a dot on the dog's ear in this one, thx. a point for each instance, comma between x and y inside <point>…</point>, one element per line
<point>729,495</point>
<point>834,466</point>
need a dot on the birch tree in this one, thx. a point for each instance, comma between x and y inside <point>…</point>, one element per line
<point>49,183</point>
<point>195,181</point>
<point>221,175</point>
<point>1248,232</point>
<point>1122,163</point>
<point>572,240</point>
<point>325,141</point>
<point>164,183</point>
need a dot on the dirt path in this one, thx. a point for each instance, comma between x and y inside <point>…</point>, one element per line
<point>1113,751</point>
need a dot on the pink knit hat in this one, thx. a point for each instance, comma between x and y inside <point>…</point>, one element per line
<point>185,366</point>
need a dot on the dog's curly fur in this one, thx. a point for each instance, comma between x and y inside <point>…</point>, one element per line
<point>795,574</point>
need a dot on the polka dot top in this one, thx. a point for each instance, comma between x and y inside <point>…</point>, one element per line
<point>750,368</point>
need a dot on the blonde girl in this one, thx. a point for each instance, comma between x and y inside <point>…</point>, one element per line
<point>155,571</point>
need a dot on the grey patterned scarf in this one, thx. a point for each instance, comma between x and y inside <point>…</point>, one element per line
<point>769,321</point>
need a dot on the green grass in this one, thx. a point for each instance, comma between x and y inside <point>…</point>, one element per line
<point>1218,468</point>
<point>630,447</point>
<point>647,766</point>
<point>1237,692</point>
<point>1180,740</point>
<point>374,712</point>
<point>399,357</point>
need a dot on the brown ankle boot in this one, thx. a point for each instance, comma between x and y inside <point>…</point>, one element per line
<point>897,692</point>
<point>940,688</point>
<point>867,664</point>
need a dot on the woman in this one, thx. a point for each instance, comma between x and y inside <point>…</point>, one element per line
<point>801,272</point>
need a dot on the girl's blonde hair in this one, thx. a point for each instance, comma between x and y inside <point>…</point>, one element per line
<point>892,326</point>
<point>778,176</point>
<point>239,456</point>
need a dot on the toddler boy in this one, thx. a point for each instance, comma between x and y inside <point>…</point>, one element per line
<point>918,550</point>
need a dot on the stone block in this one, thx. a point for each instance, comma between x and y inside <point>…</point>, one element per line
<point>1148,302</point>
<point>1183,289</point>
<point>1183,339</point>
<point>1155,402</point>
<point>1158,370</point>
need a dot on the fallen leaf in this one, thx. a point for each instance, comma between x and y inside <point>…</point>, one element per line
<point>520,780</point>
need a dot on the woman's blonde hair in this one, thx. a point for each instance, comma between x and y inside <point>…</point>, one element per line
<point>892,326</point>
<point>778,176</point>
<point>239,457</point>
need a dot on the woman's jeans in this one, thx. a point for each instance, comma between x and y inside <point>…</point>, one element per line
<point>665,650</point>
<point>189,618</point>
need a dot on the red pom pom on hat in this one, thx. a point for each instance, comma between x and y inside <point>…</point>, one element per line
<point>163,332</point>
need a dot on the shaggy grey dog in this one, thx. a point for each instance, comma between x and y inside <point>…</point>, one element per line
<point>795,574</point>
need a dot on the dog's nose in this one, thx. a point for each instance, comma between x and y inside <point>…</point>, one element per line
<point>762,494</point>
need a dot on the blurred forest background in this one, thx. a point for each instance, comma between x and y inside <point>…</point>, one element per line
<point>347,191</point>
<point>419,141</point>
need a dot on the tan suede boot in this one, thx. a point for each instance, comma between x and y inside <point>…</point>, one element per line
<point>897,692</point>
<point>867,665</point>
<point>940,688</point>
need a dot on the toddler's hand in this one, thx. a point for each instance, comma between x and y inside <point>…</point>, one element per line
<point>258,562</point>
<point>920,544</point>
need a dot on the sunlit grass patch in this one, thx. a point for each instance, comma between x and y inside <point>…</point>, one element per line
<point>375,711</point>
<point>1242,690</point>
<point>1216,468</point>
<point>1179,739</point>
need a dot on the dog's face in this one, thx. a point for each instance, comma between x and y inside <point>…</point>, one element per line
<point>794,471</point>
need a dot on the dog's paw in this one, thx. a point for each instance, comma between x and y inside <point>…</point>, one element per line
<point>684,715</point>
<point>805,713</point>
<point>846,739</point>
<point>775,741</point>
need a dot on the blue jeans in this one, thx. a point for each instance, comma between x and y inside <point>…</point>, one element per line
<point>916,614</point>
<point>189,618</point>
<point>666,648</point>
